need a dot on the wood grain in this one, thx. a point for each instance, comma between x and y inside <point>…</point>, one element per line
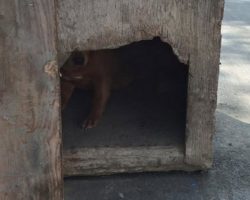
<point>205,32</point>
<point>98,24</point>
<point>30,145</point>
<point>111,160</point>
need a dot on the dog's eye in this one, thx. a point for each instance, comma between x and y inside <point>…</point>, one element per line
<point>78,60</point>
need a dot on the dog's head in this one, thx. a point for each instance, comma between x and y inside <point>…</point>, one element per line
<point>75,67</point>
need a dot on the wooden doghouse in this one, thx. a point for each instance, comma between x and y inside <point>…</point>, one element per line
<point>35,35</point>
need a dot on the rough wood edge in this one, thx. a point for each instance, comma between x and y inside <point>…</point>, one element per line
<point>30,146</point>
<point>112,160</point>
<point>203,83</point>
<point>111,31</point>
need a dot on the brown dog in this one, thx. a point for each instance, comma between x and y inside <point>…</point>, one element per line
<point>99,71</point>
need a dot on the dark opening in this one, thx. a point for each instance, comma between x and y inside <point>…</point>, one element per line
<point>150,111</point>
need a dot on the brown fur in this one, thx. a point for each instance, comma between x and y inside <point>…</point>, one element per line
<point>99,71</point>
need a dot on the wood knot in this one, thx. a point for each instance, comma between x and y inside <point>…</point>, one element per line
<point>51,68</point>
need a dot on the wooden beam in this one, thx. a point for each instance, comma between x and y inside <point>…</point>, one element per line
<point>30,144</point>
<point>111,160</point>
<point>102,24</point>
<point>205,32</point>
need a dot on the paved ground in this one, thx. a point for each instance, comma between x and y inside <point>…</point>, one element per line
<point>230,177</point>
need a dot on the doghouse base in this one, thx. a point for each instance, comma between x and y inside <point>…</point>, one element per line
<point>111,160</point>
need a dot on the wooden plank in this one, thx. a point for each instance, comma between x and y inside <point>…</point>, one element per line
<point>102,24</point>
<point>111,160</point>
<point>205,32</point>
<point>30,145</point>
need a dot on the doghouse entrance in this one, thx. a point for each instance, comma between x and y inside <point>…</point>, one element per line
<point>142,123</point>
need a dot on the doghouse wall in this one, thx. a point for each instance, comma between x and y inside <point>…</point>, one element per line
<point>191,28</point>
<point>30,116</point>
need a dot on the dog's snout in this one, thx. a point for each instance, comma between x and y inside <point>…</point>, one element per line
<point>62,72</point>
<point>70,74</point>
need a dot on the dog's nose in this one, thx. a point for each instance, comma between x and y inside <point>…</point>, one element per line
<point>61,72</point>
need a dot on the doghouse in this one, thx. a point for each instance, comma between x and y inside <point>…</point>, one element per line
<point>37,35</point>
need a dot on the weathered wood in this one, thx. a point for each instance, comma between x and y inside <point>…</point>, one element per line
<point>110,160</point>
<point>205,34</point>
<point>30,144</point>
<point>193,30</point>
<point>30,166</point>
<point>99,24</point>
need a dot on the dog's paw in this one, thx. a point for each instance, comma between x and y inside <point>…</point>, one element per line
<point>90,122</point>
